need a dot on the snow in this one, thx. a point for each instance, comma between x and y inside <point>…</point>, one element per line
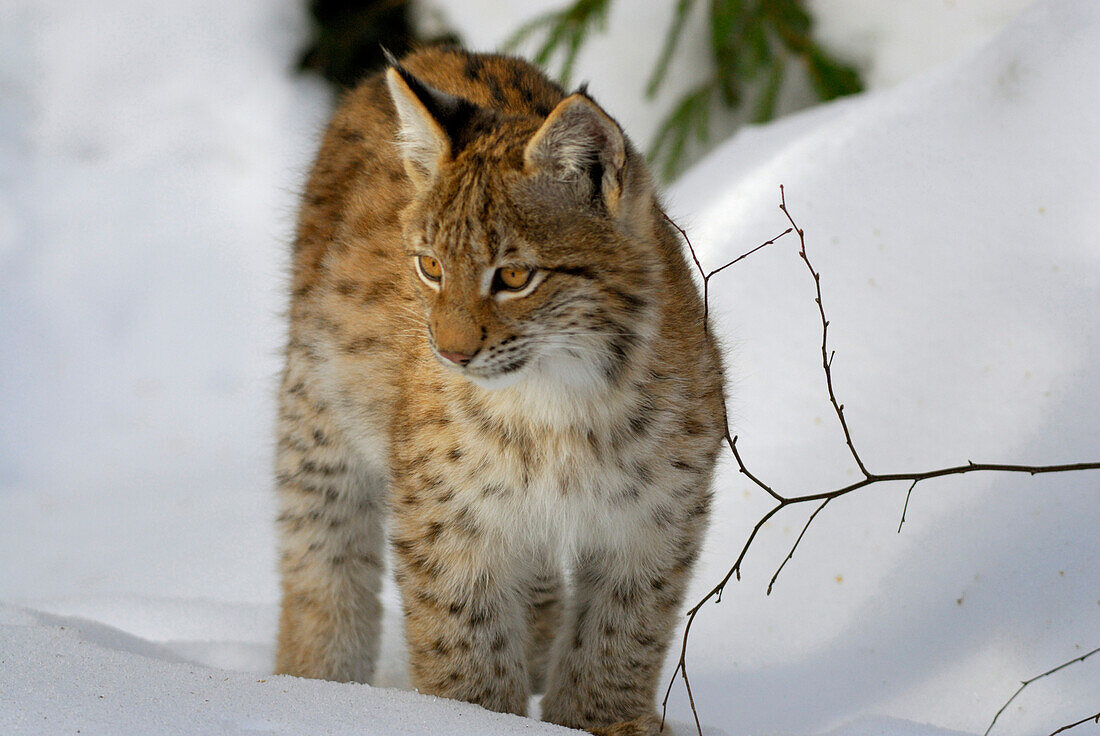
<point>147,190</point>
<point>892,41</point>
<point>69,676</point>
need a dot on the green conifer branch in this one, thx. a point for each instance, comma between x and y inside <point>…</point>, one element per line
<point>690,115</point>
<point>566,29</point>
<point>672,39</point>
<point>751,45</point>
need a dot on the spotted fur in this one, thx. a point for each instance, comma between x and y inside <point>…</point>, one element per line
<point>546,491</point>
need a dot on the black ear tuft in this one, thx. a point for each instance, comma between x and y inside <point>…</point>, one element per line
<point>433,123</point>
<point>390,58</point>
<point>452,113</point>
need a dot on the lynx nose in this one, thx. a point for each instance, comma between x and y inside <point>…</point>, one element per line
<point>455,332</point>
<point>456,358</point>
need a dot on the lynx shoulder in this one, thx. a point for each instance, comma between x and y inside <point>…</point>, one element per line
<point>497,361</point>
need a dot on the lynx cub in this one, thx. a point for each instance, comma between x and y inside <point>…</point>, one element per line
<point>496,351</point>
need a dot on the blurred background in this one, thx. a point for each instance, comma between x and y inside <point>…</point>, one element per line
<point>682,74</point>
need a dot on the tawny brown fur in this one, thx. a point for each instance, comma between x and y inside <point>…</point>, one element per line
<point>580,437</point>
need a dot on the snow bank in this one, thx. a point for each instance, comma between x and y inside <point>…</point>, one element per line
<point>67,676</point>
<point>893,41</point>
<point>953,221</point>
<point>146,195</point>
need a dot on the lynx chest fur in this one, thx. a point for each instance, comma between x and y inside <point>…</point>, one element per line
<point>497,361</point>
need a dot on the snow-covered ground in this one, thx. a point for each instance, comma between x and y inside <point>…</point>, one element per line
<point>149,158</point>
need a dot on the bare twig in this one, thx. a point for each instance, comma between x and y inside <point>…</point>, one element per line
<point>826,357</point>
<point>905,508</point>
<point>790,554</point>
<point>914,478</point>
<point>1068,726</point>
<point>824,497</point>
<point>706,275</point>
<point>1025,683</point>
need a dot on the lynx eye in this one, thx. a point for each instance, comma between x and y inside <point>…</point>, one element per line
<point>512,279</point>
<point>430,268</point>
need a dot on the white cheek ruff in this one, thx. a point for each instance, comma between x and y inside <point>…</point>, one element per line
<point>497,381</point>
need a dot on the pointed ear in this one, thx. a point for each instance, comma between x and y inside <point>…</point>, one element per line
<point>580,141</point>
<point>427,123</point>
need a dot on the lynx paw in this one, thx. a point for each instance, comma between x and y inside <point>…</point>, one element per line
<point>644,726</point>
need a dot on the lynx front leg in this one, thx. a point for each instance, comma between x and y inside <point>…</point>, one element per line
<point>465,612</point>
<point>610,652</point>
<point>544,604</point>
<point>331,548</point>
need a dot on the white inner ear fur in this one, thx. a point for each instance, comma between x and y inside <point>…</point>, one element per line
<point>576,134</point>
<point>422,140</point>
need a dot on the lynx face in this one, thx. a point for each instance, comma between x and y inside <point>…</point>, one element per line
<point>522,264</point>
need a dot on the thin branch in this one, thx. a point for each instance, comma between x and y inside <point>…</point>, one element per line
<point>732,442</point>
<point>783,502</point>
<point>826,358</point>
<point>790,554</point>
<point>905,508</point>
<point>687,240</point>
<point>682,667</point>
<point>706,275</point>
<point>1086,719</point>
<point>869,478</point>
<point>1025,683</point>
<point>743,256</point>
